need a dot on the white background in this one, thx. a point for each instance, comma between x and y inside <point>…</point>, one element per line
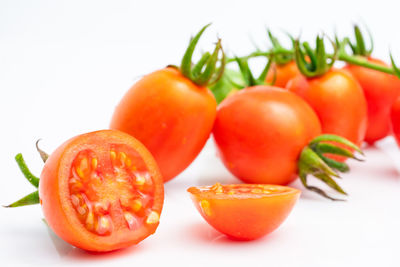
<point>64,65</point>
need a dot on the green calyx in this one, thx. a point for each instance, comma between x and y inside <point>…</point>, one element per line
<point>314,160</point>
<point>313,62</point>
<point>358,47</point>
<point>209,69</point>
<point>277,48</point>
<point>32,198</point>
<point>248,77</point>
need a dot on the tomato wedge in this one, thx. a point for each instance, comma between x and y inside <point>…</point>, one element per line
<point>101,191</point>
<point>244,211</point>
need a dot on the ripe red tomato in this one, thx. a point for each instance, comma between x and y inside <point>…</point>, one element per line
<point>380,91</point>
<point>101,191</point>
<point>260,132</point>
<point>338,100</point>
<point>395,118</point>
<point>170,115</point>
<point>244,212</point>
<point>282,73</point>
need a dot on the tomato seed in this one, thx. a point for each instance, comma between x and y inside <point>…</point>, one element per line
<point>153,218</point>
<point>131,220</point>
<point>104,225</point>
<point>205,207</point>
<point>90,221</point>
<point>94,163</point>
<point>136,205</point>
<point>113,155</point>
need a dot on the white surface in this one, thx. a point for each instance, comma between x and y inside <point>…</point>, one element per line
<point>64,65</point>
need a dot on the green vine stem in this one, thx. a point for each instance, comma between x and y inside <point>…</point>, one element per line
<point>314,161</point>
<point>359,57</point>
<point>209,69</point>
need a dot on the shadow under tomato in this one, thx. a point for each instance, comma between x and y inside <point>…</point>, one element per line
<point>65,250</point>
<point>205,233</point>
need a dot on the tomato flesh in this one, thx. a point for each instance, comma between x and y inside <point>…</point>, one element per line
<point>244,211</point>
<point>102,191</point>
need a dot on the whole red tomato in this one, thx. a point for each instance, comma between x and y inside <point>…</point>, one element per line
<point>380,90</point>
<point>395,118</point>
<point>260,132</point>
<point>171,111</point>
<point>170,115</point>
<point>338,100</point>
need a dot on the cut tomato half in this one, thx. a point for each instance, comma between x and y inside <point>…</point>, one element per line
<point>244,211</point>
<point>102,191</point>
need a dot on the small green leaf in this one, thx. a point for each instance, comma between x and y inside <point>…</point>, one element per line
<point>31,199</point>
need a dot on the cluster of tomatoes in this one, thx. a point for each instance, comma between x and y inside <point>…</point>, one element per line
<point>103,190</point>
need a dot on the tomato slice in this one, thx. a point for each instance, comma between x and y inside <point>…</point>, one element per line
<point>102,191</point>
<point>244,211</point>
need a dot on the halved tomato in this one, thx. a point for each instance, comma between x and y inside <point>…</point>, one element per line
<point>101,191</point>
<point>244,211</point>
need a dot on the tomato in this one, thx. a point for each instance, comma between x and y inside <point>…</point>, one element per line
<point>338,100</point>
<point>380,91</point>
<point>101,191</point>
<point>282,73</point>
<point>171,115</point>
<point>395,119</point>
<point>260,132</point>
<point>244,212</point>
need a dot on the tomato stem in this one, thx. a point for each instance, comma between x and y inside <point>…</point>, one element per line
<point>25,170</point>
<point>313,161</point>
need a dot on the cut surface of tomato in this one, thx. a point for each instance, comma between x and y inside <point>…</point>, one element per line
<point>102,191</point>
<point>244,211</point>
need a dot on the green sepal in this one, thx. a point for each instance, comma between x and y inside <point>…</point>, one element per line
<point>314,162</point>
<point>25,170</point>
<point>31,199</point>
<point>205,72</point>
<point>358,47</point>
<point>334,164</point>
<point>314,62</point>
<point>280,59</point>
<point>43,155</point>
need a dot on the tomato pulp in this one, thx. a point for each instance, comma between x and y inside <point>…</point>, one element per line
<point>260,132</point>
<point>244,212</point>
<point>381,90</point>
<point>101,191</point>
<point>170,115</point>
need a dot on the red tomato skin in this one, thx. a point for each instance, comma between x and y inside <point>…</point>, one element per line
<point>338,100</point>
<point>56,206</point>
<point>380,90</point>
<point>395,119</point>
<point>282,73</point>
<point>260,132</point>
<point>170,115</point>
